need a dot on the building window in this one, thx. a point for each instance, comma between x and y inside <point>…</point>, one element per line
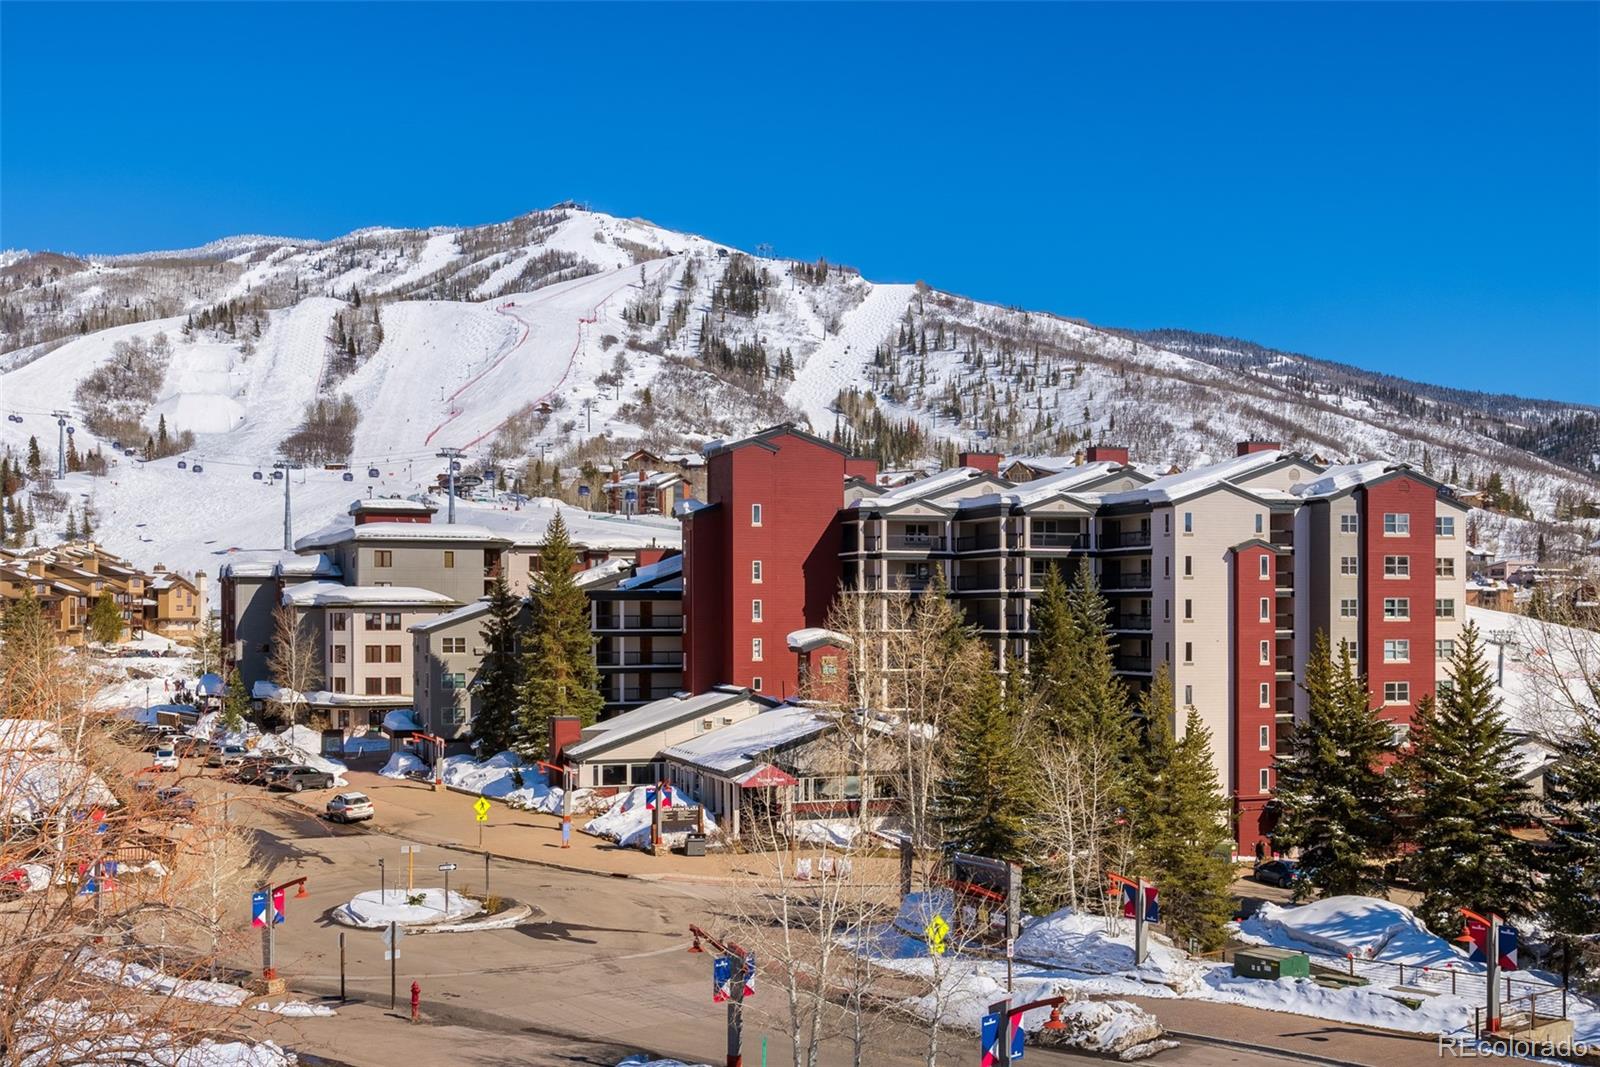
<point>337,653</point>
<point>338,685</point>
<point>454,644</point>
<point>1188,522</point>
<point>391,653</point>
<point>1347,608</point>
<point>755,683</point>
<point>1188,652</point>
<point>1349,524</point>
<point>1266,609</point>
<point>1265,698</point>
<point>1444,608</point>
<point>1166,522</point>
<point>1444,526</point>
<point>1355,651</point>
<point>1188,566</point>
<point>1264,741</point>
<point>1188,696</point>
<point>1266,653</point>
<point>1444,648</point>
<point>374,654</point>
<point>755,611</point>
<point>391,620</point>
<point>454,680</point>
<point>755,514</point>
<point>391,686</point>
<point>1266,567</point>
<point>1266,779</point>
<point>449,558</point>
<point>1166,611</point>
<point>374,687</point>
<point>1348,565</point>
<point>1397,566</point>
<point>336,620</point>
<point>1397,692</point>
<point>1396,650</point>
<point>1444,567</point>
<point>1397,607</point>
<point>755,649</point>
<point>1259,519</point>
<point>1396,524</point>
<point>1188,610</point>
<point>755,570</point>
<point>382,557</point>
<point>830,666</point>
<point>374,620</point>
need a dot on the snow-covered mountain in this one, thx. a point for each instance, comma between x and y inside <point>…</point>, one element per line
<point>569,336</point>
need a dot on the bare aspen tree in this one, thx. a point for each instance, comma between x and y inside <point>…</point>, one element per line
<point>295,663</point>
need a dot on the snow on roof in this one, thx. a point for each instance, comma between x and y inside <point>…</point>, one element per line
<point>400,721</point>
<point>268,563</point>
<point>529,526</point>
<point>652,573</point>
<point>656,715</point>
<point>1043,488</point>
<point>600,572</point>
<point>732,749</point>
<point>1338,478</point>
<point>332,594</point>
<point>210,684</point>
<point>394,505</point>
<point>338,533</point>
<point>922,487</point>
<point>687,508</point>
<point>450,618</point>
<point>1056,464</point>
<point>316,565</point>
<point>814,637</point>
<point>1172,487</point>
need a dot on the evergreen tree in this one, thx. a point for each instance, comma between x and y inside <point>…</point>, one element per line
<point>985,796</point>
<point>1082,696</point>
<point>74,461</point>
<point>72,525</point>
<point>163,442</point>
<point>27,647</point>
<point>35,461</point>
<point>1570,903</point>
<point>235,702</point>
<point>1466,798</point>
<point>105,620</point>
<point>1184,836</point>
<point>88,528</point>
<point>499,680</point>
<point>558,670</point>
<point>1338,804</point>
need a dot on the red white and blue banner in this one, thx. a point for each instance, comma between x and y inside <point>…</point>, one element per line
<point>721,979</point>
<point>1477,933</point>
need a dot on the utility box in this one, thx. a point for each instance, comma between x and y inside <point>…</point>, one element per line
<point>694,844</point>
<point>1269,964</point>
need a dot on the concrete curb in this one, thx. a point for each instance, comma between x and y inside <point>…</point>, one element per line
<point>1270,1050</point>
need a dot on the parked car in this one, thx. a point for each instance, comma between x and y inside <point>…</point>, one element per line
<point>350,807</point>
<point>253,770</point>
<point>227,756</point>
<point>188,745</point>
<point>162,739</point>
<point>295,779</point>
<point>166,758</point>
<point>1281,873</point>
<point>15,880</point>
<point>175,797</point>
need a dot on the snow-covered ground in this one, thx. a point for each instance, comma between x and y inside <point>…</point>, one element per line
<point>627,820</point>
<point>375,908</point>
<point>502,777</point>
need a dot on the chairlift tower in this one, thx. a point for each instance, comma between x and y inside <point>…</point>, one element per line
<point>61,442</point>
<point>453,456</point>
<point>288,509</point>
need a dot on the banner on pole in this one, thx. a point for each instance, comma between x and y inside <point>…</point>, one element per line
<point>277,906</point>
<point>750,976</point>
<point>1130,896</point>
<point>721,978</point>
<point>1477,932</point>
<point>258,908</point>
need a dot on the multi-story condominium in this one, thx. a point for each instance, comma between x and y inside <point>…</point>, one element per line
<point>1222,573</point>
<point>175,605</point>
<point>68,579</point>
<point>637,621</point>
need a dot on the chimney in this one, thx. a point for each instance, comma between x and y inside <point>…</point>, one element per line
<point>863,468</point>
<point>1106,454</point>
<point>1249,447</point>
<point>983,461</point>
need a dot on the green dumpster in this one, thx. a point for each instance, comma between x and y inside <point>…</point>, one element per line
<point>1269,964</point>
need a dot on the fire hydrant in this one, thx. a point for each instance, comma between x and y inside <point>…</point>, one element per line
<point>416,1001</point>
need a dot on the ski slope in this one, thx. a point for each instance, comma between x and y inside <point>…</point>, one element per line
<point>838,361</point>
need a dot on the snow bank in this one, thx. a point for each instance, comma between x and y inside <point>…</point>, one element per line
<point>150,980</point>
<point>627,821</point>
<point>1365,1005</point>
<point>1365,927</point>
<point>302,745</point>
<point>60,1031</point>
<point>299,1009</point>
<point>839,833</point>
<point>1071,939</point>
<point>641,1061</point>
<point>496,778</point>
<point>1110,1027</point>
<point>379,908</point>
<point>402,765</point>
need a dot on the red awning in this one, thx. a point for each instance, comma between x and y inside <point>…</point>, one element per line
<point>765,776</point>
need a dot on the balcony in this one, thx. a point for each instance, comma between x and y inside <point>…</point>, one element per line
<point>1281,538</point>
<point>1059,540</point>
<point>1140,622</point>
<point>640,695</point>
<point>966,583</point>
<point>978,542</point>
<point>1283,623</point>
<point>1133,664</point>
<point>1283,664</point>
<point>1125,539</point>
<point>906,543</point>
<point>914,583</point>
<point>663,658</point>
<point>1117,583</point>
<point>654,623</point>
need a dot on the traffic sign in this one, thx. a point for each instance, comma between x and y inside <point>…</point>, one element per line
<point>408,849</point>
<point>391,954</point>
<point>937,930</point>
<point>447,866</point>
<point>392,935</point>
<point>481,808</point>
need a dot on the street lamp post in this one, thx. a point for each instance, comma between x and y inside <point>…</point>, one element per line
<point>383,884</point>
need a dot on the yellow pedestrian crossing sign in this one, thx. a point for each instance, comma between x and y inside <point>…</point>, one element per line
<point>481,807</point>
<point>936,931</point>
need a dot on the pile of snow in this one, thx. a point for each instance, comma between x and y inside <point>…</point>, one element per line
<point>209,727</point>
<point>641,1061</point>
<point>376,908</point>
<point>1109,1027</point>
<point>38,877</point>
<point>60,1031</point>
<point>403,765</point>
<point>497,778</point>
<point>627,820</point>
<point>1369,1005</point>
<point>301,745</point>
<point>1365,927</point>
<point>299,1009</point>
<point>1092,944</point>
<point>838,833</point>
<point>150,980</point>
<point>367,742</point>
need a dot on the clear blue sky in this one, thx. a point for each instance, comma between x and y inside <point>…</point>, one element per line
<point>1411,188</point>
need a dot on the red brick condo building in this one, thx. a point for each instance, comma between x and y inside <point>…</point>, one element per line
<point>1223,573</point>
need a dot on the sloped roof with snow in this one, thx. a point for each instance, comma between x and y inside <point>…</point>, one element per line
<point>733,749</point>
<point>332,594</point>
<point>653,573</point>
<point>337,533</point>
<point>1173,487</point>
<point>656,715</point>
<point>268,563</point>
<point>473,610</point>
<point>921,488</point>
